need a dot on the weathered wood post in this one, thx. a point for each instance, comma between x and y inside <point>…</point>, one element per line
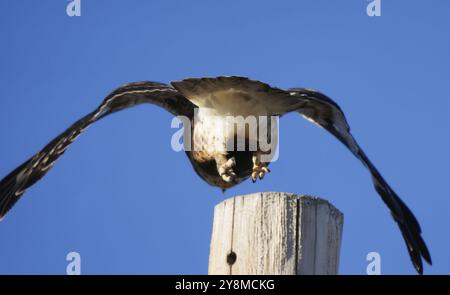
<point>275,233</point>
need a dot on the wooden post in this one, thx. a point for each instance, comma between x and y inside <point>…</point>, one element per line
<point>275,233</point>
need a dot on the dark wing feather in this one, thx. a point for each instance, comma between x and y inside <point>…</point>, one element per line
<point>324,112</point>
<point>15,183</point>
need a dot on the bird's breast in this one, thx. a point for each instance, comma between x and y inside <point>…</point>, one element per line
<point>211,132</point>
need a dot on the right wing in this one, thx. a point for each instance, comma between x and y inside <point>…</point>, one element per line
<point>321,110</point>
<point>15,183</point>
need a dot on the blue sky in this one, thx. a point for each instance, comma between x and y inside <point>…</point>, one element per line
<point>128,203</point>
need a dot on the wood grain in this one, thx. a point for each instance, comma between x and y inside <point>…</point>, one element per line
<point>275,233</point>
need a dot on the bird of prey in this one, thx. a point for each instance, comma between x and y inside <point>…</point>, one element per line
<point>220,96</point>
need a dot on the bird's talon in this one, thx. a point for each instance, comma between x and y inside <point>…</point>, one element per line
<point>228,177</point>
<point>230,163</point>
<point>259,170</point>
<point>226,170</point>
<point>254,176</point>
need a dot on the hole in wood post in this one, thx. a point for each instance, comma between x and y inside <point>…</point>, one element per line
<point>231,258</point>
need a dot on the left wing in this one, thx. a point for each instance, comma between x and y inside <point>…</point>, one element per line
<point>15,183</point>
<point>321,110</point>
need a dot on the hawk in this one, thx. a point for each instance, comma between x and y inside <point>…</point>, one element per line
<point>220,96</point>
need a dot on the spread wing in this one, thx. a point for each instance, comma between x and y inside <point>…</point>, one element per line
<point>15,183</point>
<point>321,110</point>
